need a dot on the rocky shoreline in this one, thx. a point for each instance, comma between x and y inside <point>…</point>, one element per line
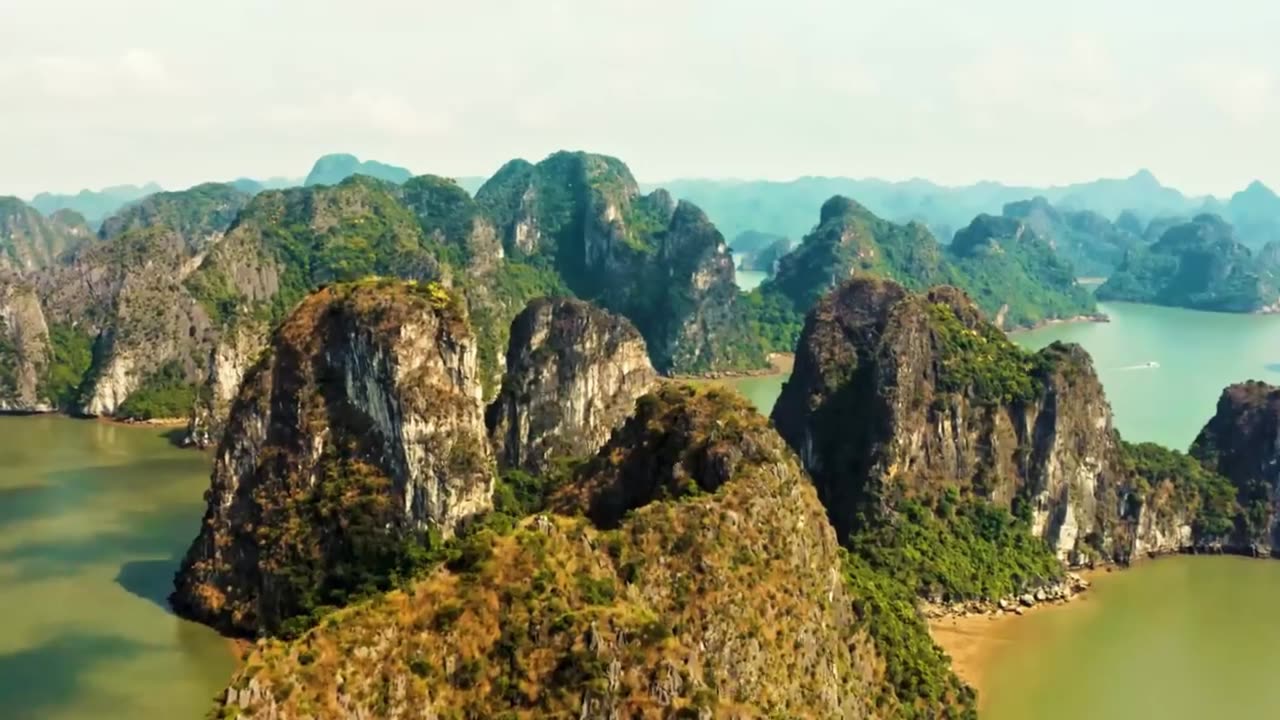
<point>1056,593</point>
<point>1091,318</point>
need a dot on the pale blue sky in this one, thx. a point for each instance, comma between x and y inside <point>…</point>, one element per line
<point>111,91</point>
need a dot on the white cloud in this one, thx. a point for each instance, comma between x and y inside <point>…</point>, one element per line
<point>135,72</point>
<point>1244,92</point>
<point>360,110</point>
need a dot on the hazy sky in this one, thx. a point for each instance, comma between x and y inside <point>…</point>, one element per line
<point>95,92</point>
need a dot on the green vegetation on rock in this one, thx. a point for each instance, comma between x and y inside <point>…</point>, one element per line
<point>70,357</point>
<point>198,214</point>
<point>1010,272</point>
<point>165,394</point>
<point>1199,265</point>
<point>957,549</point>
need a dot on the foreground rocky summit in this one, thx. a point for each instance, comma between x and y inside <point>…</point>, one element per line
<point>574,373</point>
<point>358,433</point>
<point>704,581</point>
<point>900,398</point>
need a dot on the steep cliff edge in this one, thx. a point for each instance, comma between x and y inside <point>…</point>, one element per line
<point>358,434</point>
<point>704,582</point>
<point>24,348</point>
<point>906,406</point>
<point>574,373</point>
<point>1242,442</point>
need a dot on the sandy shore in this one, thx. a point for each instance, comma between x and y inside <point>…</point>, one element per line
<point>974,640</point>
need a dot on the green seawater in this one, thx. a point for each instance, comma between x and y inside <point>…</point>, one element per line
<point>93,520</point>
<point>1178,638</point>
<point>1182,638</point>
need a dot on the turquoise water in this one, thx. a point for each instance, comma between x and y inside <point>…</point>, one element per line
<point>1197,354</point>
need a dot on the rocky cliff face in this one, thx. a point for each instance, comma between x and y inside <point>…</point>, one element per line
<point>359,431</point>
<point>574,373</point>
<point>704,582</point>
<point>128,294</point>
<point>660,263</point>
<point>1242,442</point>
<point>897,395</point>
<point>24,348</point>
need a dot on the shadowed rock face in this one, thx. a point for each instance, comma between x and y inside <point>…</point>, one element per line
<point>899,395</point>
<point>574,373</point>
<point>1242,443</point>
<point>718,594</point>
<point>361,428</point>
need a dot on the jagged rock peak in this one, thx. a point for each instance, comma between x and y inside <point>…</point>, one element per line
<point>360,430</point>
<point>729,599</point>
<point>1242,442</point>
<point>896,394</point>
<point>574,373</point>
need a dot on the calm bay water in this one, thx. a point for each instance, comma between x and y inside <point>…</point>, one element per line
<point>93,518</point>
<point>1197,355</point>
<point>1181,638</point>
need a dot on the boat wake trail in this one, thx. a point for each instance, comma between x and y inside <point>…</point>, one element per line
<point>1144,366</point>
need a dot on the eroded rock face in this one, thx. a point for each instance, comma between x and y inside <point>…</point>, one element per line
<point>360,429</point>
<point>24,347</point>
<point>1242,443</point>
<point>718,588</point>
<point>128,294</point>
<point>902,395</point>
<point>574,373</point>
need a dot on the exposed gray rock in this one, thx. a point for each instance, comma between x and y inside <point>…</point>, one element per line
<point>363,424</point>
<point>574,373</point>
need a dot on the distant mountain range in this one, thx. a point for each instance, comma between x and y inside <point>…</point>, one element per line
<point>787,208</point>
<point>98,205</point>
